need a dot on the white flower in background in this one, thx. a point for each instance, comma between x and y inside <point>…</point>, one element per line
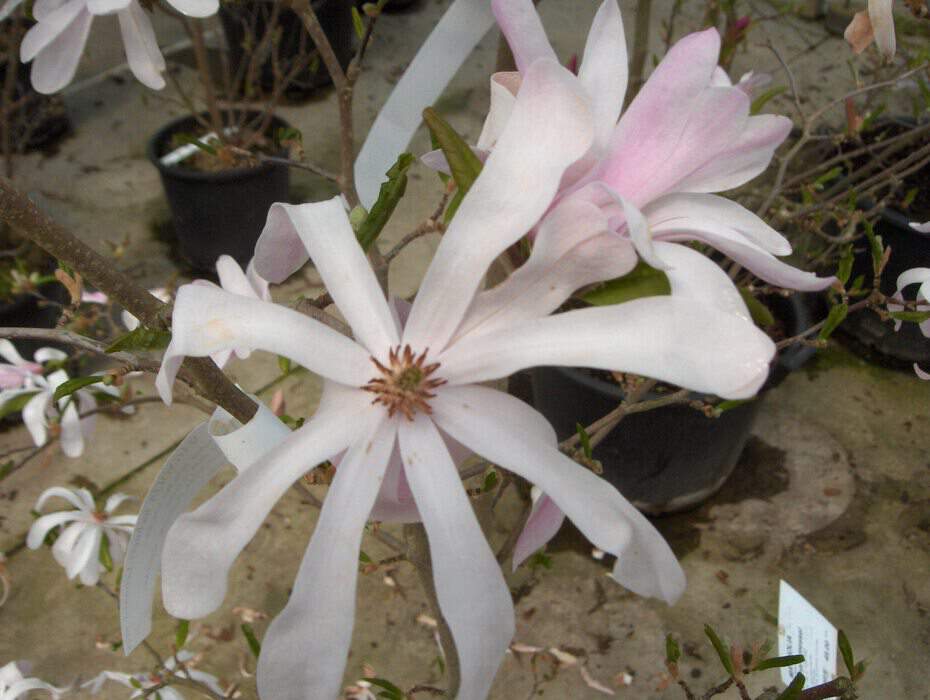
<point>55,43</point>
<point>151,680</point>
<point>13,684</point>
<point>42,413</point>
<point>19,372</point>
<point>920,228</point>
<point>919,276</point>
<point>130,321</point>
<point>413,389</point>
<point>77,548</point>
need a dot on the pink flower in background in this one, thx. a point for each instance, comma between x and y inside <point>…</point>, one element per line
<point>19,372</point>
<point>56,42</point>
<point>874,24</point>
<point>411,388</point>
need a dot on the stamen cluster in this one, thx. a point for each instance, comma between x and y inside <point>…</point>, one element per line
<point>405,385</point>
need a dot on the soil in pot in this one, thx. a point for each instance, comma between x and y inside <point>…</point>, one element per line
<point>246,23</point>
<point>672,458</point>
<point>220,211</point>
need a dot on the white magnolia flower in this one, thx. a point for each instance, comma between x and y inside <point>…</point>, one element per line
<point>41,410</point>
<point>920,228</point>
<point>151,680</point>
<point>19,372</point>
<point>919,276</point>
<point>13,684</point>
<point>413,388</point>
<point>56,42</point>
<point>77,548</point>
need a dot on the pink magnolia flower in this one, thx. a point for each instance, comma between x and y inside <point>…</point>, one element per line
<point>19,372</point>
<point>56,42</point>
<point>412,388</point>
<point>77,548</point>
<point>874,24</point>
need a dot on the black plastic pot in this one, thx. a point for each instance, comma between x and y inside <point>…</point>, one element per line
<point>672,458</point>
<point>216,213</point>
<point>27,311</point>
<point>245,23</point>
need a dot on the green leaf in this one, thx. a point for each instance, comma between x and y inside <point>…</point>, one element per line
<point>876,246</point>
<point>910,197</point>
<point>759,311</point>
<point>364,558</point>
<point>490,480</point>
<point>846,652</point>
<point>910,316</point>
<point>779,662</point>
<point>5,469</point>
<point>730,404</point>
<point>585,440</point>
<point>135,683</point>
<point>836,316</point>
<point>106,559</point>
<point>393,692</point>
<point>845,267</point>
<point>463,163</point>
<point>141,338</point>
<point>641,281</point>
<point>793,691</point>
<point>288,133</point>
<point>184,139</point>
<point>831,174</point>
<point>69,387</point>
<point>180,634</point>
<point>453,207</point>
<point>719,647</point>
<point>761,100</point>
<point>672,650</point>
<point>284,364</point>
<point>357,23</point>
<point>16,404</point>
<point>254,645</point>
<point>390,194</point>
<point>540,560</point>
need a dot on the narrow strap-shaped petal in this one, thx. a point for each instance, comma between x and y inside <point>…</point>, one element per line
<point>35,419</point>
<point>324,230</point>
<point>523,29</point>
<point>72,497</point>
<point>42,526</point>
<point>637,228</point>
<point>572,249</point>
<point>7,8</point>
<point>202,545</point>
<point>439,58</point>
<point>43,355</point>
<point>115,501</point>
<point>721,212</point>
<point>71,437</point>
<point>550,128</point>
<point>491,422</point>
<point>24,687</point>
<point>544,522</point>
<point>604,71</point>
<point>305,649</point>
<point>54,66</point>
<point>504,88</point>
<point>395,503</point>
<point>881,15</point>
<point>195,8</point>
<point>90,572</point>
<point>63,549</point>
<point>694,276</point>
<point>49,28</point>
<point>85,549</point>
<point>141,46</point>
<point>207,320</point>
<point>920,227</point>
<point>916,275</point>
<point>684,342</point>
<point>9,353</point>
<point>107,7</point>
<point>244,445</point>
<point>472,594</point>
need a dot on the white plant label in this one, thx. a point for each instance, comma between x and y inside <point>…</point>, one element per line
<point>803,630</point>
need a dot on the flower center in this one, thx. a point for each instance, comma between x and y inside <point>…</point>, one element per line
<point>405,384</point>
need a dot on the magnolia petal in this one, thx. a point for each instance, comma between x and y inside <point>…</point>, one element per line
<point>202,545</point>
<point>708,209</point>
<point>243,445</point>
<point>43,525</point>
<point>71,436</point>
<point>49,29</point>
<point>34,417</point>
<point>7,8</point>
<point>325,232</point>
<point>604,70</point>
<point>207,320</point>
<point>544,522</point>
<point>75,498</point>
<point>395,502</point>
<point>758,261</point>
<point>9,352</point>
<point>696,277</point>
<point>504,88</point>
<point>320,612</point>
<point>491,422</point>
<point>196,8</point>
<point>920,228</point>
<point>637,227</point>
<point>676,340</point>
<point>549,129</point>
<point>747,156</point>
<point>916,275</point>
<point>472,594</point>
<point>881,15</point>
<point>259,283</point>
<point>521,26</point>
<point>920,373</point>
<point>107,7</point>
<point>63,549</point>
<point>54,66</point>
<point>43,355</point>
<point>115,501</point>
<point>141,46</point>
<point>86,549</point>
<point>572,249</point>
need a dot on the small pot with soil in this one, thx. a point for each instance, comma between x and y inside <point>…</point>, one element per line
<point>219,198</point>
<point>671,458</point>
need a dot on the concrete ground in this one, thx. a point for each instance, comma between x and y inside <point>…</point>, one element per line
<point>831,495</point>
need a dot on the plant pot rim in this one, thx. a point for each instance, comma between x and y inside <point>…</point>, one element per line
<point>790,358</point>
<point>181,173</point>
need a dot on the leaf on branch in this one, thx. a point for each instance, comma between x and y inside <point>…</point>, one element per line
<point>836,316</point>
<point>357,23</point>
<point>759,312</point>
<point>842,641</point>
<point>876,246</point>
<point>254,645</point>
<point>910,316</point>
<point>584,439</point>
<point>719,648</point>
<point>793,691</point>
<point>106,559</point>
<point>464,165</point>
<point>846,263</point>
<point>392,190</point>
<point>180,634</point>
<point>16,404</point>
<point>672,650</point>
<point>69,387</point>
<point>392,692</point>
<point>641,281</point>
<point>140,339</point>
<point>779,662</point>
<point>185,139</point>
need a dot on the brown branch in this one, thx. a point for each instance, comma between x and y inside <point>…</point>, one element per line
<point>21,214</point>
<point>837,688</point>
<point>81,342</point>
